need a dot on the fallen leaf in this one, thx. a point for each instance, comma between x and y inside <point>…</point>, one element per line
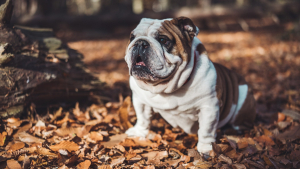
<point>295,155</point>
<point>13,122</point>
<point>266,140</point>
<point>3,138</point>
<point>114,140</point>
<point>194,153</point>
<point>15,147</point>
<point>242,144</point>
<point>84,165</point>
<point>67,145</point>
<point>292,113</point>
<point>22,129</point>
<point>283,125</point>
<point>27,138</point>
<point>203,164</point>
<point>94,137</point>
<point>281,117</point>
<point>105,167</point>
<point>26,162</point>
<point>117,161</point>
<point>190,141</point>
<point>44,151</point>
<point>155,154</point>
<point>267,161</point>
<point>63,167</point>
<point>239,166</point>
<point>225,159</point>
<point>232,141</point>
<point>216,148</point>
<point>12,164</point>
<point>120,147</point>
<point>291,134</point>
<point>123,113</point>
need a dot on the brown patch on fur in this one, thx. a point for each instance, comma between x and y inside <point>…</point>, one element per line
<point>183,38</point>
<point>228,92</point>
<point>201,49</point>
<point>227,89</point>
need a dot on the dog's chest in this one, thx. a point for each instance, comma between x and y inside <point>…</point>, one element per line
<point>176,111</point>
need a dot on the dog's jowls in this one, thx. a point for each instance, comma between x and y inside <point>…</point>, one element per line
<point>171,74</point>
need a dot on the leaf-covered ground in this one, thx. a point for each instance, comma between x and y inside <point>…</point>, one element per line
<point>93,136</point>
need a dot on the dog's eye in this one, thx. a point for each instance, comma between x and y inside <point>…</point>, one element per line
<point>164,41</point>
<point>132,37</point>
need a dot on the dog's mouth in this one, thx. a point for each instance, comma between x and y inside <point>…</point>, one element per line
<point>139,61</point>
<point>141,71</point>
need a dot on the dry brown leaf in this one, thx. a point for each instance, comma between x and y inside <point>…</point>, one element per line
<point>13,122</point>
<point>114,140</point>
<point>190,141</point>
<point>203,164</point>
<point>216,148</point>
<point>194,153</point>
<point>281,117</point>
<point>27,138</point>
<point>295,155</point>
<point>84,165</point>
<point>130,155</point>
<point>239,166</point>
<point>3,138</point>
<point>15,147</point>
<point>242,144</point>
<point>63,167</point>
<point>225,159</point>
<point>66,145</point>
<point>143,142</point>
<point>117,161</point>
<point>292,113</point>
<point>94,137</point>
<point>232,141</point>
<point>291,134</point>
<point>128,142</point>
<point>267,161</point>
<point>26,162</point>
<point>57,114</point>
<point>123,113</point>
<point>105,167</point>
<point>266,140</point>
<point>65,119</point>
<point>45,152</point>
<point>13,164</point>
<point>149,167</point>
<point>120,147</point>
<point>22,129</point>
<point>156,154</point>
<point>267,132</point>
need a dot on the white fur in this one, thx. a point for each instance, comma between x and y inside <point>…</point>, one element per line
<point>195,101</point>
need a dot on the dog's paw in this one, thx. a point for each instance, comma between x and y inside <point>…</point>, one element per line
<point>137,132</point>
<point>204,148</point>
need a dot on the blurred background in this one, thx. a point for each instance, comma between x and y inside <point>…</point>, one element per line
<point>259,39</point>
<point>101,17</point>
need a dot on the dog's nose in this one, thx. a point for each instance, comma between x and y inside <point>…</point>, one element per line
<point>144,44</point>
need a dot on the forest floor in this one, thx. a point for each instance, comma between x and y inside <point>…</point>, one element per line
<point>93,137</point>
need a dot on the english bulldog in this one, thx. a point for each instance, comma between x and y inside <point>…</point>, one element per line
<point>171,74</point>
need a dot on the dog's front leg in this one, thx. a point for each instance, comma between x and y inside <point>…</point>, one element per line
<point>143,113</point>
<point>208,121</point>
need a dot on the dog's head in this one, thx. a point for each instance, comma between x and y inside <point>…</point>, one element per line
<point>158,50</point>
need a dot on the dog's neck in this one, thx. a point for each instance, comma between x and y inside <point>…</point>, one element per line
<point>182,75</point>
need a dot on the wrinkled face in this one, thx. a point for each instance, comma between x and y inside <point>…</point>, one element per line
<point>157,48</point>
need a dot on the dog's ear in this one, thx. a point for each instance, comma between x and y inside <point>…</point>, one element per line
<point>186,26</point>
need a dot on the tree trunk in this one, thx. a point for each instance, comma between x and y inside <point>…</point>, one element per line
<point>36,67</point>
